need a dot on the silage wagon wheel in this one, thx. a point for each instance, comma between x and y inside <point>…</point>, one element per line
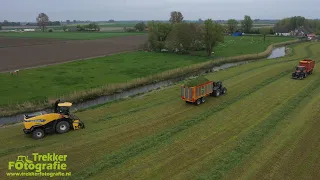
<point>198,102</point>
<point>203,100</point>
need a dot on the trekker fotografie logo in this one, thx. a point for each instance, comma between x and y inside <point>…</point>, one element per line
<point>49,164</point>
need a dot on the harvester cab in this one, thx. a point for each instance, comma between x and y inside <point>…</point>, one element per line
<point>64,108</point>
<point>60,122</point>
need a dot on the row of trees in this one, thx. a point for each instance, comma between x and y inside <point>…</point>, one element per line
<point>7,23</point>
<point>43,21</point>
<point>289,24</point>
<point>87,27</point>
<point>246,25</point>
<point>183,37</point>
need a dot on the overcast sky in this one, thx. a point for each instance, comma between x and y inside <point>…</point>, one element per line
<point>61,10</point>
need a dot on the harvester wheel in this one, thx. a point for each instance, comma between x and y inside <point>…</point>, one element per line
<point>300,77</point>
<point>62,127</point>
<point>38,133</point>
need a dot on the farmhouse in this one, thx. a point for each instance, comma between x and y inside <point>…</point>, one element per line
<point>283,34</point>
<point>311,36</point>
<point>301,31</point>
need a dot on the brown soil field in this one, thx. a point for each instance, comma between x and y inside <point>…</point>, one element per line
<point>16,42</point>
<point>27,53</point>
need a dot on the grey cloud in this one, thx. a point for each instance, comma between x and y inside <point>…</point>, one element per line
<point>22,10</point>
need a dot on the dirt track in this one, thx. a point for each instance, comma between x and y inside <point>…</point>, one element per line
<point>26,53</point>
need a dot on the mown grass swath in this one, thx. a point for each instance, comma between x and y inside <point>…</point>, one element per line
<point>251,140</point>
<point>152,141</point>
<point>81,95</point>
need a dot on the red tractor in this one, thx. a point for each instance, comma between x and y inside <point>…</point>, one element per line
<point>304,69</point>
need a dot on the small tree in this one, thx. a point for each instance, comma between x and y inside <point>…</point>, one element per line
<point>232,25</point>
<point>264,32</point>
<point>212,34</point>
<point>140,26</point>
<point>80,28</point>
<point>65,28</point>
<point>176,17</point>
<point>42,20</point>
<point>247,24</point>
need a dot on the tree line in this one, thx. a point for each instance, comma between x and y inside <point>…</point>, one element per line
<point>184,37</point>
<point>290,24</point>
<point>7,23</point>
<point>87,27</point>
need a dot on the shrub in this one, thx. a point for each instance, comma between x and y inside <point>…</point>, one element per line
<point>130,30</point>
<point>140,26</point>
<point>65,28</point>
<point>50,30</point>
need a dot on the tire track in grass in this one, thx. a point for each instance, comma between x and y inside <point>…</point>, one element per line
<point>297,150</point>
<point>144,144</point>
<point>204,141</point>
<point>230,160</point>
<point>270,152</point>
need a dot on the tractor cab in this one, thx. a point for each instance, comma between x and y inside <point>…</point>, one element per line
<point>64,108</point>
<point>300,69</point>
<point>217,84</point>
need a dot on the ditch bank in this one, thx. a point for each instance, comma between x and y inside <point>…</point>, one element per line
<point>85,99</point>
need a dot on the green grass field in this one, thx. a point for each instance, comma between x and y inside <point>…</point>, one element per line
<point>234,46</point>
<point>265,127</point>
<point>67,35</point>
<point>32,85</point>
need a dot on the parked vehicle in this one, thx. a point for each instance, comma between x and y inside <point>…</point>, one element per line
<point>196,94</point>
<point>304,69</point>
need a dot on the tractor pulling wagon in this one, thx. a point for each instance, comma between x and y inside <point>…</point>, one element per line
<point>304,69</point>
<point>196,94</point>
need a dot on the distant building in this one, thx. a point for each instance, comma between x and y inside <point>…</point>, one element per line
<point>311,36</point>
<point>29,30</point>
<point>283,34</point>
